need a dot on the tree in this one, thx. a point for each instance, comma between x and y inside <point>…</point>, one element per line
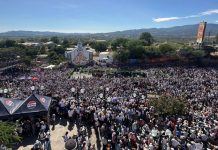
<point>59,50</point>
<point>121,56</point>
<point>44,40</point>
<point>152,52</point>
<point>100,46</point>
<point>66,43</point>
<point>21,41</point>
<point>55,39</point>
<point>136,50</point>
<point>2,44</point>
<point>119,42</point>
<point>147,38</point>
<point>8,134</point>
<point>168,105</point>
<point>167,49</point>
<point>31,52</point>
<point>198,53</point>
<point>10,43</point>
<point>43,50</point>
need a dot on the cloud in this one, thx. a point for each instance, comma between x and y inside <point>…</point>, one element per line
<point>210,12</point>
<point>165,19</point>
<point>205,13</point>
<point>217,21</point>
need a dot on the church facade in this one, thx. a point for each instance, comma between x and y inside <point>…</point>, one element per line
<point>79,55</point>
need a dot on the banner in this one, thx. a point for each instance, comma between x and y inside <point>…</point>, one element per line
<point>201,32</point>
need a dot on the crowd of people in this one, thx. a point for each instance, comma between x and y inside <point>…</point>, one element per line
<point>117,108</point>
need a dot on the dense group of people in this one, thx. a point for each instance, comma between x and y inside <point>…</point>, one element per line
<point>117,108</point>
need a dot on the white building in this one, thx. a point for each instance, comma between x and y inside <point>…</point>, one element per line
<point>105,57</point>
<point>79,55</point>
<point>30,44</point>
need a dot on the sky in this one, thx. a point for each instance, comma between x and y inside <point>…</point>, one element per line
<point>94,16</point>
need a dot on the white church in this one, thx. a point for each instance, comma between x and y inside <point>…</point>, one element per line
<point>79,55</point>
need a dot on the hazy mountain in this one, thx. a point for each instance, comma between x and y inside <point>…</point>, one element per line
<point>187,31</point>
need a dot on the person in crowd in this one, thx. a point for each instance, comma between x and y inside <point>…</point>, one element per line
<point>66,137</point>
<point>117,107</point>
<point>38,145</point>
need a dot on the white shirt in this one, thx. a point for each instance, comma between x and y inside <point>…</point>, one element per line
<point>70,113</point>
<point>175,143</point>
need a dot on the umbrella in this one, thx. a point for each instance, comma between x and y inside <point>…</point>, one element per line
<point>71,144</point>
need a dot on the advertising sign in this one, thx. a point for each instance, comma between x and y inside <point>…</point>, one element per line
<point>31,105</point>
<point>9,103</point>
<point>201,32</point>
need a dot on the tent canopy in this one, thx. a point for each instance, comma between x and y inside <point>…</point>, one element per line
<point>3,110</point>
<point>33,104</point>
<point>10,104</point>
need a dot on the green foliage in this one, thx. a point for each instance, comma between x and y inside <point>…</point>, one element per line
<point>119,42</point>
<point>10,43</point>
<point>59,50</point>
<point>31,52</point>
<point>43,50</point>
<point>44,40</point>
<point>66,43</point>
<point>136,49</point>
<point>55,39</point>
<point>121,56</point>
<point>152,52</point>
<point>21,41</point>
<point>147,38</point>
<point>7,43</point>
<point>166,49</point>
<point>198,53</point>
<point>190,52</point>
<point>168,105</point>
<point>56,55</point>
<point>8,134</point>
<point>99,46</point>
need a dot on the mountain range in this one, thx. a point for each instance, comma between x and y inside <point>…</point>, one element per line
<point>180,32</point>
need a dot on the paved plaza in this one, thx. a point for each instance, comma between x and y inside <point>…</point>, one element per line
<point>57,133</point>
